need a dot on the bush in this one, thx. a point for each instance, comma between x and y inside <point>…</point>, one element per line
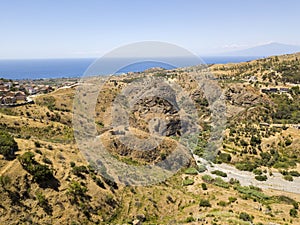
<point>232,199</point>
<point>294,173</point>
<point>191,171</point>
<point>204,187</point>
<point>293,212</point>
<point>221,183</point>
<point>261,177</point>
<point>246,166</point>
<point>219,173</point>
<point>76,189</point>
<point>5,181</point>
<point>99,182</point>
<point>225,157</point>
<point>204,203</point>
<point>295,204</point>
<point>252,192</point>
<point>37,144</point>
<point>190,219</point>
<point>222,203</point>
<point>79,170</point>
<point>245,216</point>
<point>257,171</point>
<point>201,168</point>
<point>208,179</point>
<point>8,145</point>
<point>39,172</point>
<point>187,182</point>
<point>255,141</point>
<point>288,178</point>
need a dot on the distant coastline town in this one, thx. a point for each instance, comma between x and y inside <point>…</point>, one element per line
<point>19,92</point>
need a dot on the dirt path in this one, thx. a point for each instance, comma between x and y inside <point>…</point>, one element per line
<point>7,167</point>
<point>275,181</point>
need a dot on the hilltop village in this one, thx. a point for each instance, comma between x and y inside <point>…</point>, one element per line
<point>15,93</point>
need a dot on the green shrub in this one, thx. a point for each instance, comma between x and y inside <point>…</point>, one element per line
<point>255,141</point>
<point>41,198</point>
<point>190,219</point>
<point>222,203</point>
<point>261,177</point>
<point>246,217</point>
<point>99,182</point>
<point>219,173</point>
<point>295,205</point>
<point>191,171</point>
<point>246,166</point>
<point>39,172</point>
<point>204,203</point>
<point>5,181</point>
<point>204,187</point>
<point>76,189</point>
<point>257,171</point>
<point>201,168</point>
<point>79,170</point>
<point>232,199</point>
<point>293,212</point>
<point>47,161</point>
<point>252,192</point>
<point>288,178</point>
<point>234,181</point>
<point>8,145</point>
<point>38,151</point>
<point>221,183</point>
<point>294,173</point>
<point>208,179</point>
<point>37,144</point>
<point>187,182</point>
<point>224,157</point>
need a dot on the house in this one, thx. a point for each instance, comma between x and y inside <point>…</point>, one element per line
<point>46,89</point>
<point>264,90</point>
<point>20,96</point>
<point>284,90</point>
<point>8,85</point>
<point>31,91</point>
<point>252,79</point>
<point>264,124</point>
<point>10,94</point>
<point>3,91</point>
<point>273,90</point>
<point>8,100</point>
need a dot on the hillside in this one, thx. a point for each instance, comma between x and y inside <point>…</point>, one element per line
<point>46,179</point>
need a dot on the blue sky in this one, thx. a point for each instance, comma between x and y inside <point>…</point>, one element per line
<point>90,28</point>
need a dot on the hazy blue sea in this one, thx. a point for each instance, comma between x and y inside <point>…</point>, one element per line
<point>58,68</point>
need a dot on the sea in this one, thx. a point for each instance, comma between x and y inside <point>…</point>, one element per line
<point>19,69</point>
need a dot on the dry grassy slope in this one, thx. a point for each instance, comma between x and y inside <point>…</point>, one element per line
<point>253,68</point>
<point>166,203</point>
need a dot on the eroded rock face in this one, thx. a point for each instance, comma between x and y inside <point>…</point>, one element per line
<point>156,115</point>
<point>240,95</point>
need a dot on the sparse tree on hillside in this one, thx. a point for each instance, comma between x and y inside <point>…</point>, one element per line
<point>8,146</point>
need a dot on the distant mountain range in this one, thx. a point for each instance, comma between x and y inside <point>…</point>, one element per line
<point>265,50</point>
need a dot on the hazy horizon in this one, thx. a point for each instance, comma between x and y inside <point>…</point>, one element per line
<point>67,29</point>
